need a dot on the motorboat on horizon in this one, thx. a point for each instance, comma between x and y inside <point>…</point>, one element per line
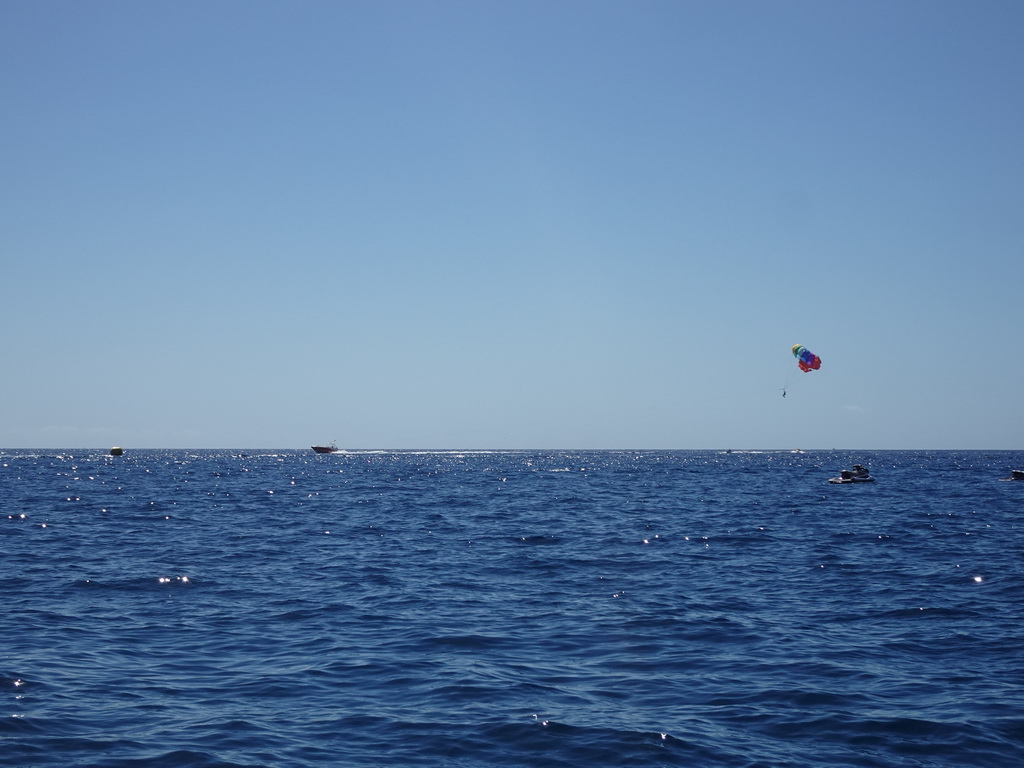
<point>332,448</point>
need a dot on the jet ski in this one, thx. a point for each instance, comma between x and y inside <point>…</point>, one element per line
<point>859,474</point>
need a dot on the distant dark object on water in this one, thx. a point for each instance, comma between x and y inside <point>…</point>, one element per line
<point>116,451</point>
<point>1015,474</point>
<point>332,448</point>
<point>859,474</point>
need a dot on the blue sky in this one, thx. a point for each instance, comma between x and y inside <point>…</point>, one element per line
<point>469,224</point>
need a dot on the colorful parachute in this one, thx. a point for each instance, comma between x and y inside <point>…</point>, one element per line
<point>807,360</point>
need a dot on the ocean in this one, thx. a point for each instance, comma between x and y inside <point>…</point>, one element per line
<point>230,609</point>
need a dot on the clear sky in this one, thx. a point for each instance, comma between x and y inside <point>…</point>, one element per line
<point>528,224</point>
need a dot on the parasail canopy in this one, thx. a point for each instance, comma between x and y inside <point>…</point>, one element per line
<point>807,360</point>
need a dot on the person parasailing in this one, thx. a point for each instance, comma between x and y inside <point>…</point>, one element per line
<point>806,360</point>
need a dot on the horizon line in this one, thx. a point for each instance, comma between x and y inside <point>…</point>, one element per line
<point>490,450</point>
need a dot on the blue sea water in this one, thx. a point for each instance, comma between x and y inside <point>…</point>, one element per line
<point>172,609</point>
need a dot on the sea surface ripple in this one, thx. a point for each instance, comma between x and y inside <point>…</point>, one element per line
<point>226,609</point>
